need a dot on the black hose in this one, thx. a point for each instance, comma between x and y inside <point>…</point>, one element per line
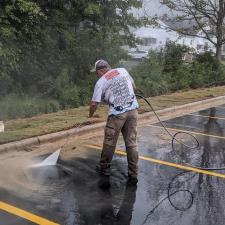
<point>169,193</point>
<point>195,146</point>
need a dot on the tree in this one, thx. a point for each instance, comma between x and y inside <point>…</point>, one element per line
<point>173,56</point>
<point>42,42</point>
<point>18,20</point>
<point>206,16</point>
<point>21,16</point>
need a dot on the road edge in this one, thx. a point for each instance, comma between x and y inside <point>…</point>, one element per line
<point>164,114</point>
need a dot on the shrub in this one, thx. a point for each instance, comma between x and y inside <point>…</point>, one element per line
<point>166,71</point>
<point>14,106</point>
<point>173,56</point>
<point>214,68</point>
<point>70,97</point>
<point>148,76</point>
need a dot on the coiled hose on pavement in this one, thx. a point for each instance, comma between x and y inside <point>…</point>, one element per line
<point>173,180</point>
<point>174,139</point>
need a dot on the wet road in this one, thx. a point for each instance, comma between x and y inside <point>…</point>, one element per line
<point>71,193</point>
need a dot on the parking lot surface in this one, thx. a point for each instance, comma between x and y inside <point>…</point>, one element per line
<point>170,189</point>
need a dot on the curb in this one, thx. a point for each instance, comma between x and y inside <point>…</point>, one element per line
<point>163,114</point>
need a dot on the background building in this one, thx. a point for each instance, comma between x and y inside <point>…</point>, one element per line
<point>155,38</point>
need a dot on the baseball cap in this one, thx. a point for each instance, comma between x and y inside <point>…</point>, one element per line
<point>100,64</point>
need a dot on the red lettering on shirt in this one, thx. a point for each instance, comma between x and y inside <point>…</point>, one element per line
<point>112,74</point>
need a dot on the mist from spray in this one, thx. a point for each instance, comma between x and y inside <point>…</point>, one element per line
<point>23,176</point>
<point>50,160</point>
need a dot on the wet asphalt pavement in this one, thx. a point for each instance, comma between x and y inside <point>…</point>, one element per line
<point>72,193</point>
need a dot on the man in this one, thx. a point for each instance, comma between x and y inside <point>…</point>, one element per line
<point>116,87</point>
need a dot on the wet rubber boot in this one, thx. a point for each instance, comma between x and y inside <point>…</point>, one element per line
<point>132,181</point>
<point>103,171</point>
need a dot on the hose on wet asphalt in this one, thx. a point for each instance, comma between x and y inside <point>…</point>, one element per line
<point>174,139</point>
<point>185,191</point>
<point>170,194</point>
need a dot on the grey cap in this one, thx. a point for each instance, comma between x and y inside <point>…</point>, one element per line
<point>100,64</point>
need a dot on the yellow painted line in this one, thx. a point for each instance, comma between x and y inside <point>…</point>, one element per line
<point>211,117</point>
<point>192,132</point>
<point>24,214</point>
<point>165,163</point>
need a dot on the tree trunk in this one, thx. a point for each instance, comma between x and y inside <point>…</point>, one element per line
<point>219,50</point>
<point>220,30</point>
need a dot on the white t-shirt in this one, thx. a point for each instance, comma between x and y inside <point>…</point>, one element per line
<point>115,88</point>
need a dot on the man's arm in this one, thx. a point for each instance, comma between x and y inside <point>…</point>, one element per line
<point>96,99</point>
<point>93,107</point>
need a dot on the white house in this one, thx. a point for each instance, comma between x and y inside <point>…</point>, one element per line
<point>155,38</point>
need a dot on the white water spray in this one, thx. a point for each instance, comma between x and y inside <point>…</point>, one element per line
<point>50,160</point>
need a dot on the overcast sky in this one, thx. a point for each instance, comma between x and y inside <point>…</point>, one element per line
<point>151,7</point>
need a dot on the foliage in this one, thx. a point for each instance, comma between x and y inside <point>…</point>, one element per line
<point>149,76</point>
<point>167,72</point>
<point>13,106</point>
<point>214,70</point>
<point>47,48</point>
<point>173,56</point>
<point>70,97</point>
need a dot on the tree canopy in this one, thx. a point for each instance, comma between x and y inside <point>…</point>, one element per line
<point>206,16</point>
<point>48,46</point>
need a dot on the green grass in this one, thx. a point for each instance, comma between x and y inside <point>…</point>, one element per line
<point>13,106</point>
<point>47,123</point>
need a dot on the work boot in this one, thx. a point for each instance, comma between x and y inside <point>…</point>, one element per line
<point>132,181</point>
<point>103,171</point>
